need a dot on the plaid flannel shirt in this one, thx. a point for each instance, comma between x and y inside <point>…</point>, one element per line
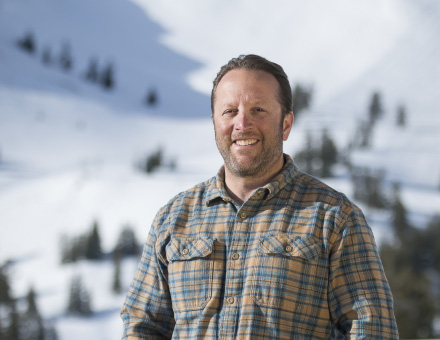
<point>296,261</point>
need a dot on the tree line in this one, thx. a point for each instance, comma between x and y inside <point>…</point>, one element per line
<point>412,265</point>
<point>20,318</point>
<point>411,258</point>
<point>101,75</point>
<point>156,160</point>
<point>88,247</point>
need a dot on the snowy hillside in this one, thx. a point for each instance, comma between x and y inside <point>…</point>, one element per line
<point>69,148</point>
<point>116,32</point>
<point>344,49</point>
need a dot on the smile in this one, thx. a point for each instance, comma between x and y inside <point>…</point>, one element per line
<point>244,142</point>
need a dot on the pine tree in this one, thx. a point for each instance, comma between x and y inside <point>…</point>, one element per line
<point>5,292</point>
<point>375,109</point>
<point>79,298</point>
<point>318,159</point>
<point>400,222</point>
<point>301,99</point>
<point>329,154</point>
<point>374,183</point>
<point>32,305</point>
<point>127,244</point>
<point>47,56</point>
<point>116,287</point>
<point>92,71</point>
<point>31,323</point>
<point>305,158</point>
<point>8,316</point>
<point>153,161</point>
<point>433,241</point>
<point>152,98</point>
<point>65,59</point>
<point>13,328</point>
<point>107,79</point>
<point>73,248</point>
<point>401,116</point>
<point>79,250</point>
<point>51,333</point>
<point>358,183</point>
<point>368,187</point>
<point>27,43</point>
<point>364,134</point>
<point>66,249</point>
<point>408,265</point>
<point>414,308</point>
<point>93,244</point>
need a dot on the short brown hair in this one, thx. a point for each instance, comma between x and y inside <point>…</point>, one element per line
<point>252,62</point>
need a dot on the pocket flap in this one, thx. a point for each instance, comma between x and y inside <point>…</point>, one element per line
<point>184,248</point>
<point>280,243</point>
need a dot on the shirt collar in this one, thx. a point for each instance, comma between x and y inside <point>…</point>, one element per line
<point>217,189</point>
<point>286,176</point>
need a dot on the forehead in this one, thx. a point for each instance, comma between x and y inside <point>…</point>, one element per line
<point>248,83</point>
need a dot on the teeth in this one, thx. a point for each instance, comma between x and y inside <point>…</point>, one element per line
<point>246,142</point>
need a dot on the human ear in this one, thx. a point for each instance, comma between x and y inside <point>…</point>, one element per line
<point>287,125</point>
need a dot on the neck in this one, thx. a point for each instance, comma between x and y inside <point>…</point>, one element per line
<point>241,188</point>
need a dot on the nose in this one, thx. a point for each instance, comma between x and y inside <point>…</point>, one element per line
<point>243,121</point>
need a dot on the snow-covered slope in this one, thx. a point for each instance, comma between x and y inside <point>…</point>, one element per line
<point>326,43</point>
<point>116,32</point>
<point>345,49</point>
<point>68,148</point>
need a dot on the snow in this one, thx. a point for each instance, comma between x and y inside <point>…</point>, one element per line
<point>328,44</point>
<point>69,149</point>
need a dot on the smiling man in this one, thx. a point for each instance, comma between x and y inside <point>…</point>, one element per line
<point>250,127</point>
<point>261,250</point>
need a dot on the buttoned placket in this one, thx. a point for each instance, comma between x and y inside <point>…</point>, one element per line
<point>234,277</point>
<point>235,272</point>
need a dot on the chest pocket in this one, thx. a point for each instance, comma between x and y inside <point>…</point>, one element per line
<point>190,272</point>
<point>285,271</point>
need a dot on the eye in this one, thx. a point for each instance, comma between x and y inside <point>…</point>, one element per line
<point>230,111</point>
<point>259,109</point>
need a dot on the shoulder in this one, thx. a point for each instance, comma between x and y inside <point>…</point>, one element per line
<point>314,189</point>
<point>340,217</point>
<point>184,203</point>
<point>311,190</point>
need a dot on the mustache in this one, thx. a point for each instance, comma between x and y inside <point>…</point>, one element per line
<point>244,135</point>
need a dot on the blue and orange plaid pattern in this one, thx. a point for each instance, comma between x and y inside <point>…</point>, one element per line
<point>296,261</point>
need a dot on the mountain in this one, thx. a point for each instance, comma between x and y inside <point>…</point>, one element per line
<point>113,33</point>
<point>345,51</point>
<point>70,149</point>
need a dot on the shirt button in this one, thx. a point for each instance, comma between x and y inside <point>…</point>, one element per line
<point>185,251</point>
<point>289,249</point>
<point>243,215</point>
<point>235,256</point>
<point>231,300</point>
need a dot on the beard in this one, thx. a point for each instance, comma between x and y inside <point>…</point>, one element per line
<point>260,164</point>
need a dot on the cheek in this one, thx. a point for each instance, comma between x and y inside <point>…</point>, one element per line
<point>222,129</point>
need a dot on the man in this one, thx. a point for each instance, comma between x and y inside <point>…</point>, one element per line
<point>262,250</point>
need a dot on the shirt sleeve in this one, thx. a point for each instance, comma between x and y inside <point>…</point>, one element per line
<point>147,312</point>
<point>360,299</point>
